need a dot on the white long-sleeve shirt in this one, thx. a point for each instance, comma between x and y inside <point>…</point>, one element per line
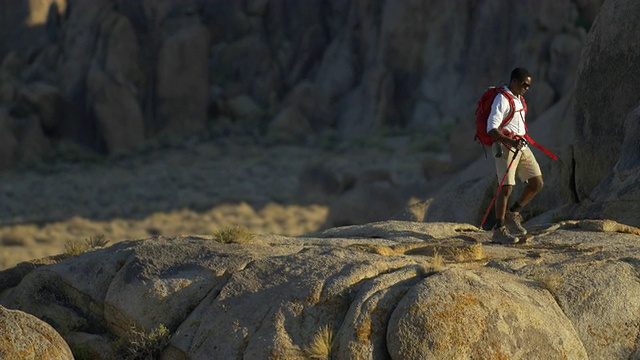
<point>499,111</point>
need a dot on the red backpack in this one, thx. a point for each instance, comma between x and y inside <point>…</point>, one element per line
<point>484,110</point>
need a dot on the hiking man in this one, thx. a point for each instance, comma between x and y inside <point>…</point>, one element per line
<point>508,138</point>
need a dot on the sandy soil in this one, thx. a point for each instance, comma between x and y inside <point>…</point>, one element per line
<point>192,189</point>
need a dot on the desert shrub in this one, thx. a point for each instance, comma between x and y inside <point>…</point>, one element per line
<point>469,253</point>
<point>437,264</point>
<point>142,345</point>
<point>82,353</point>
<point>320,346</point>
<point>95,242</point>
<point>233,234</point>
<point>76,247</point>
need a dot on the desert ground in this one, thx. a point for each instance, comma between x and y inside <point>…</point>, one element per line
<point>195,187</point>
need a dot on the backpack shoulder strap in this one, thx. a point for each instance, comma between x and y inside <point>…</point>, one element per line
<point>512,107</point>
<point>524,105</point>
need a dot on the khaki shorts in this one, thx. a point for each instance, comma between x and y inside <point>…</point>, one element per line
<point>525,165</point>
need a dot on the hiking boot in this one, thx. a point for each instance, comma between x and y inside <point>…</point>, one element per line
<point>501,235</point>
<point>514,219</point>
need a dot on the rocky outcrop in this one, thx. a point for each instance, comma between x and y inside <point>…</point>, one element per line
<point>383,290</point>
<point>607,164</point>
<point>604,97</point>
<point>601,168</point>
<point>452,316</point>
<point>26,337</point>
<point>125,72</point>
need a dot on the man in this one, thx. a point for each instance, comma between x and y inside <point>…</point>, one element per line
<point>525,164</point>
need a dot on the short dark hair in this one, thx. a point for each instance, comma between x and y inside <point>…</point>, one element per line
<point>520,74</point>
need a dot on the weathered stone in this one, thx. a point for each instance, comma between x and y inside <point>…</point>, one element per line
<point>12,66</point>
<point>361,336</point>
<point>318,182</point>
<point>377,290</point>
<point>451,315</point>
<point>474,186</point>
<point>565,54</point>
<point>47,100</point>
<point>609,59</point>
<point>618,195</point>
<point>247,64</point>
<point>32,143</point>
<point>118,114</point>
<point>290,122</point>
<point>364,203</point>
<point>7,92</point>
<point>26,337</point>
<point>244,110</point>
<point>360,68</point>
<point>313,104</point>
<point>182,80</point>
<point>8,142</point>
<point>337,72</point>
<point>92,346</point>
<point>433,167</point>
<point>298,43</point>
<point>608,328</point>
<point>79,43</point>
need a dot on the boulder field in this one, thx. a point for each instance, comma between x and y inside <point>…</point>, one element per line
<point>385,290</point>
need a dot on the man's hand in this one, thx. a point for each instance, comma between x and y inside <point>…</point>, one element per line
<point>518,143</point>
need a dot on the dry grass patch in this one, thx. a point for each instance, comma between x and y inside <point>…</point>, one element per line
<point>12,239</point>
<point>321,344</point>
<point>96,242</point>
<point>140,344</point>
<point>438,263</point>
<point>374,249</point>
<point>292,220</point>
<point>474,252</point>
<point>457,253</point>
<point>21,235</point>
<point>76,247</point>
<point>550,281</point>
<point>234,234</point>
<point>27,242</point>
<point>416,209</point>
<point>440,253</point>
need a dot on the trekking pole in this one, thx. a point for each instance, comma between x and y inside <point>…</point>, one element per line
<point>499,188</point>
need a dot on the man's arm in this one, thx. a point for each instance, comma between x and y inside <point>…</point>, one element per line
<point>498,136</point>
<point>499,110</point>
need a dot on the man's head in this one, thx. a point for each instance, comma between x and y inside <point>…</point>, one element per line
<point>520,81</point>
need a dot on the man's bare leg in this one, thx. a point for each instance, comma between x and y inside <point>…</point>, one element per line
<point>502,200</point>
<point>534,185</point>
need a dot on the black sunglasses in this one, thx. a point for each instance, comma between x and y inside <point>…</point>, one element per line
<point>526,86</point>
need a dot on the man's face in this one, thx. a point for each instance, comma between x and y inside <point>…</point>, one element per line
<point>524,85</point>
